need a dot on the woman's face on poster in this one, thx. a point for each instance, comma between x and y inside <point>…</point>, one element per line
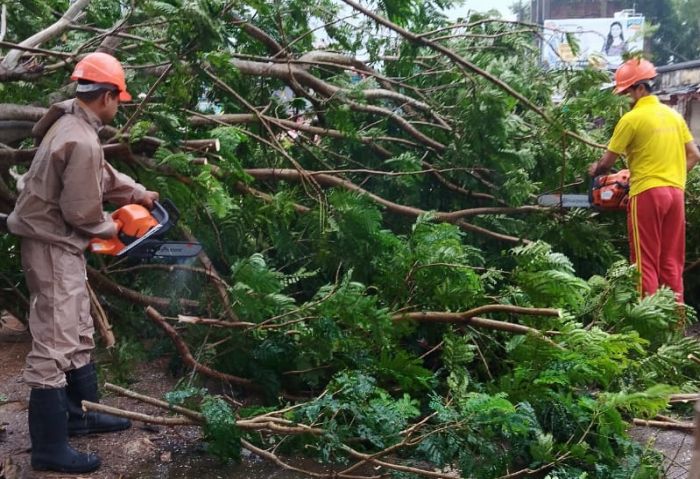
<point>615,29</point>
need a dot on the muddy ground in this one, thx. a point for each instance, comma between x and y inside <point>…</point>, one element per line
<point>146,451</point>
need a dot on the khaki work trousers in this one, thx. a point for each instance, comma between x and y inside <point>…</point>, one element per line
<point>59,313</point>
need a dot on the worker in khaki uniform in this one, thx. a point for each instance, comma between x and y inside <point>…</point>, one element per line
<point>57,213</point>
<point>660,151</point>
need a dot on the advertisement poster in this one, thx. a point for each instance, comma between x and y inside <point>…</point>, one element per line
<point>601,41</point>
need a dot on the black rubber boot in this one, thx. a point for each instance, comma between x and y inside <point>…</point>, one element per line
<point>48,429</point>
<point>82,385</point>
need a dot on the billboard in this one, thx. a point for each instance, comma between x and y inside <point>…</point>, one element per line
<point>601,41</point>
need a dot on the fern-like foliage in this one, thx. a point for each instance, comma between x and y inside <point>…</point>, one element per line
<point>547,277</point>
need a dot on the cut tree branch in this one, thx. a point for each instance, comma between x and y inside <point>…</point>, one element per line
<point>194,415</point>
<point>137,416</point>
<point>682,426</point>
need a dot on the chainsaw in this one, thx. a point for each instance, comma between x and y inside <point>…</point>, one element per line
<point>140,234</point>
<point>607,193</point>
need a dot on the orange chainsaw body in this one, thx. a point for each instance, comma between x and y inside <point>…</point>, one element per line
<point>610,192</point>
<point>133,221</point>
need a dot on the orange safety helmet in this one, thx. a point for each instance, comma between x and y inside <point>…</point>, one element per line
<point>102,68</point>
<point>633,71</point>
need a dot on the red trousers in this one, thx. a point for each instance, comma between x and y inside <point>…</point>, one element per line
<point>656,227</point>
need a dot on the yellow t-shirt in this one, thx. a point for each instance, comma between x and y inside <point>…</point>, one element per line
<point>652,136</point>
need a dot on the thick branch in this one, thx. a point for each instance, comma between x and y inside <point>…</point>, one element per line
<point>28,72</point>
<point>258,34</point>
<point>676,398</point>
<point>239,118</point>
<point>12,111</point>
<point>3,22</point>
<point>13,131</point>
<point>181,318</point>
<point>194,415</point>
<point>345,61</point>
<point>490,211</point>
<point>9,157</point>
<point>103,283</point>
<point>328,180</point>
<point>187,357</point>
<point>683,426</point>
<point>137,416</point>
<point>12,58</point>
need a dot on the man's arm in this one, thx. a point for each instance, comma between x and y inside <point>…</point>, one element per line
<point>604,164</point>
<point>121,190</point>
<point>81,200</point>
<point>692,155</point>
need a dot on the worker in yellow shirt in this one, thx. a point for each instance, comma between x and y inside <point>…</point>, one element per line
<point>660,151</point>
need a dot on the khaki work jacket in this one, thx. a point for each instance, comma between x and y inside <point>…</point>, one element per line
<point>68,180</point>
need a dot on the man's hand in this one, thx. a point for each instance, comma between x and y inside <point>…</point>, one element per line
<point>592,169</point>
<point>603,165</point>
<point>692,155</point>
<point>149,198</point>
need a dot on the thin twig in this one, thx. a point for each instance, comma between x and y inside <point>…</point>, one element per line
<point>124,128</point>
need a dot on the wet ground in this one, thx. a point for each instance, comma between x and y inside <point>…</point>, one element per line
<point>142,452</point>
<point>676,447</point>
<point>148,452</point>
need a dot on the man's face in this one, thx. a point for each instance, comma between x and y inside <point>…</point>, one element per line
<point>111,105</point>
<point>635,93</point>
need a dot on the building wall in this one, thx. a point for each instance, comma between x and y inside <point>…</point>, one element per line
<point>694,119</point>
<point>679,86</point>
<point>554,9</point>
<point>677,79</point>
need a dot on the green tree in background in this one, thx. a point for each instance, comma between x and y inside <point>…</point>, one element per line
<point>677,28</point>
